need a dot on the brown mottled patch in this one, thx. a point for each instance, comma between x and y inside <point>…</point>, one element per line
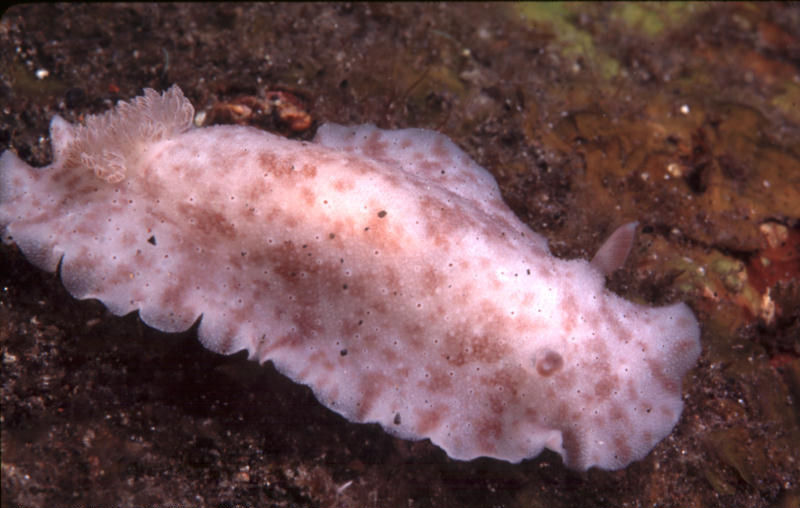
<point>619,417</point>
<point>309,170</point>
<point>527,300</point>
<point>443,218</point>
<point>380,306</point>
<point>619,331</point>
<point>285,257</point>
<point>128,239</point>
<point>344,230</point>
<point>439,380</point>
<point>606,386</point>
<point>682,347</point>
<point>489,431</point>
<point>315,362</point>
<point>441,240</point>
<point>630,387</point>
<point>291,221</point>
<point>509,379</point>
<point>494,320</point>
<point>432,279</point>
<point>343,185</point>
<point>429,419</point>
<point>521,325</point>
<point>415,335</point>
<point>181,169</point>
<point>430,167</point>
<point>374,146</point>
<point>277,166</point>
<point>567,379</point>
<point>349,327</point>
<point>225,344</point>
<point>543,272</point>
<point>305,319</point>
<point>358,165</point>
<point>219,159</point>
<point>624,452</point>
<point>597,346</point>
<point>369,340</point>
<point>658,371</point>
<point>562,413</point>
<point>262,289</point>
<point>291,340</point>
<point>441,148</point>
<point>572,448</point>
<point>206,221</point>
<point>70,168</point>
<point>388,356</point>
<point>390,279</point>
<point>462,297</point>
<point>307,195</point>
<point>256,191</point>
<point>463,346</point>
<point>497,404</point>
<point>225,135</point>
<point>267,160</point>
<point>372,385</point>
<point>382,235</point>
<point>120,275</point>
<point>569,309</point>
<point>173,297</point>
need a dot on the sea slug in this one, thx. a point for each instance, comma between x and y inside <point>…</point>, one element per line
<point>381,268</point>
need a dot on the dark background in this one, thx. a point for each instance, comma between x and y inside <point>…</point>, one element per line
<point>681,116</point>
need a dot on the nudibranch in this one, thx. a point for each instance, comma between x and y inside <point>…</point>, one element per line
<point>380,267</point>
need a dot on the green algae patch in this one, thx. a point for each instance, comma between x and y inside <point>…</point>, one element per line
<point>569,40</point>
<point>788,102</point>
<point>652,19</point>
<point>738,451</point>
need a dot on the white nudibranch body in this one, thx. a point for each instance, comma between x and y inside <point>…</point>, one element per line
<point>381,268</point>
